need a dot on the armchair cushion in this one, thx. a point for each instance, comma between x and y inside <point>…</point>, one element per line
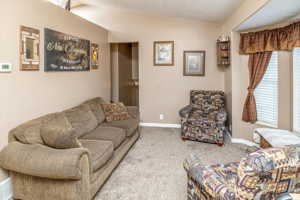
<point>42,161</point>
<point>207,101</point>
<point>58,133</point>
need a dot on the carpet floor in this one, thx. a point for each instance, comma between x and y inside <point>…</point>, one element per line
<point>152,170</point>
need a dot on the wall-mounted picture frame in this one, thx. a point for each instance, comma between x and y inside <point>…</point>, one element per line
<point>29,48</point>
<point>194,63</point>
<point>65,52</point>
<point>94,56</point>
<point>163,53</point>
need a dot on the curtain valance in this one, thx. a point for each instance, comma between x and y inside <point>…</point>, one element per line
<point>285,38</point>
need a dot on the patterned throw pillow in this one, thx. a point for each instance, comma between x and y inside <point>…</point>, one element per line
<point>115,112</point>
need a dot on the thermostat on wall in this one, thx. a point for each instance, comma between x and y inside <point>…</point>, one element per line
<point>5,67</point>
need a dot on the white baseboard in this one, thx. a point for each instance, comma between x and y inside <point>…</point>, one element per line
<point>243,141</point>
<point>6,189</point>
<point>162,125</point>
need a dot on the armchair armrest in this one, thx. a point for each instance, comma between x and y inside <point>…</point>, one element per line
<point>133,111</point>
<point>184,112</point>
<point>221,116</point>
<point>191,162</point>
<point>42,161</point>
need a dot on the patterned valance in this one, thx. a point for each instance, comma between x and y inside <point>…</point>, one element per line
<point>285,38</point>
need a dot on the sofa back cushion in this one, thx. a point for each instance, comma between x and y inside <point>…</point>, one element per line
<point>115,112</point>
<point>81,119</point>
<point>96,107</point>
<point>30,132</point>
<point>58,133</point>
<point>207,101</point>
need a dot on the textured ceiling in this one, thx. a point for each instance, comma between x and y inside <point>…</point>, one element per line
<point>206,10</point>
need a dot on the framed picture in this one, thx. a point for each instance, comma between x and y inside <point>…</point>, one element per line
<point>29,48</point>
<point>64,52</point>
<point>163,53</point>
<point>94,56</point>
<point>194,63</point>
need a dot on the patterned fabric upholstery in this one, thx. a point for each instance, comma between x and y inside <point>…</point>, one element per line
<point>262,175</point>
<point>204,119</point>
<point>115,112</point>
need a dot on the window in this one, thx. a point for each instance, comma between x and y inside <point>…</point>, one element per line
<point>296,90</point>
<point>266,94</point>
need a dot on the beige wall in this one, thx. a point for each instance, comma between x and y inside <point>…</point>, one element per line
<point>163,90</point>
<point>29,94</point>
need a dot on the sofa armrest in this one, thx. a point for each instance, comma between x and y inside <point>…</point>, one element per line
<point>134,111</point>
<point>42,161</point>
<point>184,112</point>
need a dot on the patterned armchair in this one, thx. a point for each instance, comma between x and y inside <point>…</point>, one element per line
<point>204,119</point>
<point>263,175</point>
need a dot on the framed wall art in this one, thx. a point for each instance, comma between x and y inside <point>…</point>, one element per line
<point>194,63</point>
<point>64,52</point>
<point>94,56</point>
<point>29,48</point>
<point>163,53</point>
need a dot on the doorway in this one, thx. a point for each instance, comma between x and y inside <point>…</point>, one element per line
<point>125,73</point>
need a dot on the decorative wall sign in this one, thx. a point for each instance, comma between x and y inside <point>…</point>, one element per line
<point>29,48</point>
<point>194,63</point>
<point>94,56</point>
<point>65,52</point>
<point>163,53</point>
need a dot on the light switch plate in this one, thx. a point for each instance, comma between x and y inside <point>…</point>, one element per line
<point>5,67</point>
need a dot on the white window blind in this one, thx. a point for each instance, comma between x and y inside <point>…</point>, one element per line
<point>266,94</point>
<point>296,90</point>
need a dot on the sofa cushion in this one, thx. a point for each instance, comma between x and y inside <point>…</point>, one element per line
<point>115,112</point>
<point>130,125</point>
<point>58,133</point>
<point>82,119</point>
<point>113,134</point>
<point>29,132</point>
<point>100,152</point>
<point>96,107</point>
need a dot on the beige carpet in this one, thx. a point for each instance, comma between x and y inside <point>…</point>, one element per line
<point>153,170</point>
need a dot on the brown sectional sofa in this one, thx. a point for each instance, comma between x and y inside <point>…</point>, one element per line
<point>40,171</point>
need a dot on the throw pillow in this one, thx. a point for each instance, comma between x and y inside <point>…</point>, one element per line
<point>58,133</point>
<point>115,112</point>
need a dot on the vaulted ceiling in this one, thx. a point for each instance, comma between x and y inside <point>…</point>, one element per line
<point>206,10</point>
